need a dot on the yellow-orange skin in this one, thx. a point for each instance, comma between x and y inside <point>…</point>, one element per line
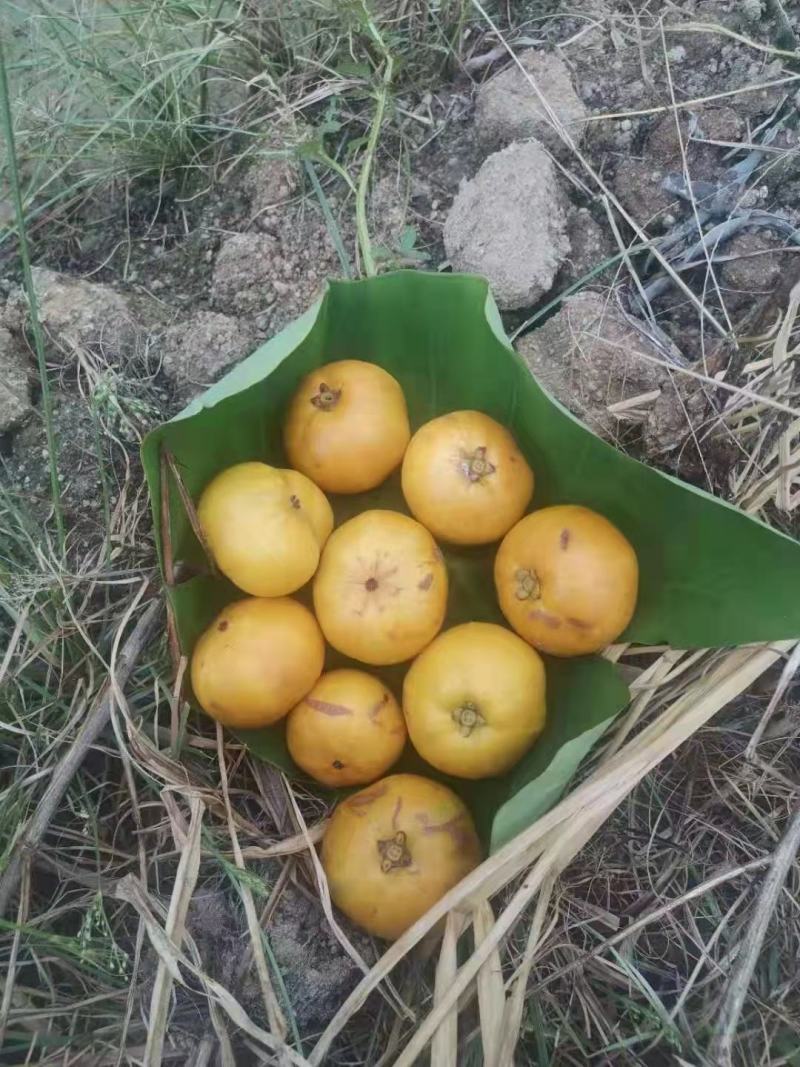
<point>489,670</point>
<point>567,580</point>
<point>348,730</point>
<point>440,838</point>
<point>458,500</point>
<point>380,592</point>
<point>256,661</point>
<point>347,426</point>
<point>264,527</point>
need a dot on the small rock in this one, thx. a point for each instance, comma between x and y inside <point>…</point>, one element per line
<point>76,314</point>
<point>585,357</point>
<point>15,405</point>
<point>509,224</point>
<point>508,109</point>
<point>197,351</point>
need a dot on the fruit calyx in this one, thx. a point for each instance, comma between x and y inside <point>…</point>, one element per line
<point>477,466</point>
<point>394,852</point>
<point>467,717</point>
<point>327,398</point>
<point>527,584</point>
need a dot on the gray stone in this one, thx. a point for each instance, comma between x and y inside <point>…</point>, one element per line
<point>15,405</point>
<point>509,224</point>
<point>508,109</point>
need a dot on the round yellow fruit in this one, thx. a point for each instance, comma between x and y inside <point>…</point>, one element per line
<point>380,592</point>
<point>567,580</point>
<point>264,527</point>
<point>347,426</point>
<point>256,661</point>
<point>393,850</point>
<point>474,700</point>
<point>348,730</point>
<point>465,478</point>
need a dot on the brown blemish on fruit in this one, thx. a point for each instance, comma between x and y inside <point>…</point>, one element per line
<point>580,624</point>
<point>371,585</point>
<point>367,797</point>
<point>396,813</point>
<point>377,708</point>
<point>544,616</point>
<point>425,583</point>
<point>223,626</point>
<point>454,828</point>
<point>564,540</point>
<point>327,708</point>
<point>294,501</point>
<point>337,765</point>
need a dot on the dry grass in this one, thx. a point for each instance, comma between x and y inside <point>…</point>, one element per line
<point>607,932</point>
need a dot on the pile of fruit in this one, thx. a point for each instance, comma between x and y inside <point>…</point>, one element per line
<point>473,698</point>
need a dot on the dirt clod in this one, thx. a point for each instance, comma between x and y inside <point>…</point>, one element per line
<point>509,224</point>
<point>15,405</point>
<point>316,971</point>
<point>195,352</point>
<point>507,108</point>
<point>756,268</point>
<point>270,182</point>
<point>585,356</point>
<point>275,275</point>
<point>81,316</point>
<point>590,245</point>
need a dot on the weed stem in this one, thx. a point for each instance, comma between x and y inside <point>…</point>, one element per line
<point>7,125</point>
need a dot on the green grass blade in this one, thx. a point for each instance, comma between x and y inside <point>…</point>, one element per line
<point>7,125</point>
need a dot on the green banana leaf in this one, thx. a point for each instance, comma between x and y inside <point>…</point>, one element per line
<point>710,575</point>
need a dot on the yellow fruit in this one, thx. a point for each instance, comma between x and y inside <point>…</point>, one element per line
<point>264,527</point>
<point>393,850</point>
<point>380,593</point>
<point>474,700</point>
<point>347,426</point>
<point>348,730</point>
<point>313,501</point>
<point>256,661</point>
<point>567,580</point>
<point>465,479</point>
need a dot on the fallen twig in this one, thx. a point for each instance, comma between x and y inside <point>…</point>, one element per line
<point>721,1048</point>
<point>93,725</point>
